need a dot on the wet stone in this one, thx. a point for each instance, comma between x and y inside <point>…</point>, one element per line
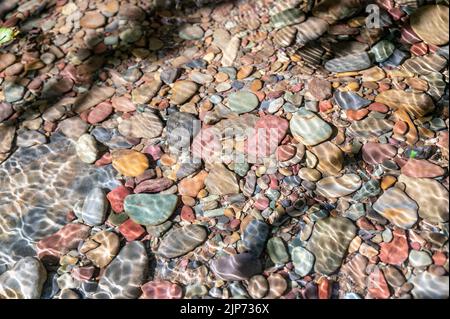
<point>94,207</point>
<point>353,62</point>
<point>254,236</point>
<point>350,100</point>
<point>309,128</point>
<point>258,287</point>
<point>182,240</point>
<point>276,249</point>
<point>236,267</point>
<point>303,261</point>
<point>242,102</point>
<point>150,209</point>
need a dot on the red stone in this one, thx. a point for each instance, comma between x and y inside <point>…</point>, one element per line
<point>187,214</point>
<point>50,248</point>
<point>262,203</point>
<point>104,160</point>
<point>153,150</point>
<point>419,168</point>
<point>396,13</point>
<point>161,289</point>
<point>356,115</point>
<point>378,107</point>
<point>100,113</point>
<point>400,128</point>
<point>439,258</point>
<point>285,152</point>
<point>116,198</point>
<point>378,287</point>
<point>153,185</point>
<point>324,288</point>
<point>234,224</point>
<point>123,104</point>
<point>130,230</point>
<point>396,251</point>
<point>325,106</point>
<point>419,49</point>
<point>408,36</point>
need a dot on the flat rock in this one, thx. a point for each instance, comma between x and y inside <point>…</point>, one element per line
<point>276,250</point>
<point>287,17</point>
<point>303,260</point>
<point>191,32</point>
<point>430,23</point>
<point>92,20</point>
<point>370,127</point>
<point>129,162</point>
<point>320,89</point>
<point>86,148</point>
<point>310,30</point>
<point>95,96</point>
<point>353,62</point>
<point>150,209</point>
<point>421,169</point>
<point>142,125</point>
<point>330,158</point>
<point>221,181</point>
<point>329,243</point>
<point>161,289</point>
<point>309,128</point>
<point>350,100</point>
<point>94,207</point>
<point>182,91</point>
<point>180,241</point>
<point>397,207</point>
<point>101,248</point>
<point>336,187</point>
<point>430,286</point>
<point>376,153</point>
<point>254,236</point>
<point>242,102</point>
<point>416,104</point>
<point>236,267</point>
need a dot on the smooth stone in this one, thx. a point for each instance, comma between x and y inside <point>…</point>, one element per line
<point>192,186</point>
<point>180,129</point>
<point>13,92</point>
<point>100,113</point>
<point>431,197</point>
<point>287,17</point>
<point>430,286</point>
<point>141,125</point>
<point>425,65</point>
<point>191,32</point>
<point>419,259</point>
<point>161,289</point>
<point>303,261</point>
<point>329,242</point>
<point>131,35</point>
<point>350,100</point>
<point>397,207</point>
<point>123,104</point>
<point>277,286</point>
<point>336,187</point>
<point>92,20</point>
<point>129,162</point>
<point>333,11</point>
<point>6,59</point>
<point>370,127</point>
<point>180,241</point>
<point>24,280</point>
<point>95,207</point>
<point>6,111</point>
<point>355,271</point>
<point>320,89</point>
<point>242,102</point>
<point>30,138</point>
<point>376,153</point>
<point>93,97</point>
<point>254,236</point>
<point>416,104</point>
<point>132,264</point>
<point>236,267</point>
<point>285,36</point>
<point>353,62</point>
<point>421,169</point>
<point>309,128</point>
<point>182,91</point>
<point>369,189</point>
<point>310,30</point>
<point>221,181</point>
<point>258,286</point>
<point>382,50</point>
<point>309,174</point>
<point>430,23</point>
<point>169,75</point>
<point>86,148</point>
<point>377,285</point>
<point>144,93</point>
<point>276,249</point>
<point>101,248</point>
<point>150,209</point>
<point>230,51</point>
<point>330,158</point>
<point>7,134</point>
<point>396,251</point>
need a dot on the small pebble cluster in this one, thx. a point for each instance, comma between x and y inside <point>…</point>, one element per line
<point>119,178</point>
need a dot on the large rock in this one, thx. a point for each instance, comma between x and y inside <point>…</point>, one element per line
<point>182,240</point>
<point>150,209</point>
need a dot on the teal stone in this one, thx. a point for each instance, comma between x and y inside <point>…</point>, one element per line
<point>382,50</point>
<point>241,168</point>
<point>273,194</point>
<point>150,209</point>
<point>242,102</point>
<point>287,17</point>
<point>303,261</point>
<point>277,251</point>
<point>355,212</point>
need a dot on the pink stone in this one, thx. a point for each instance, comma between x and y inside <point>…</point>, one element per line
<point>356,115</point>
<point>400,128</point>
<point>153,185</point>
<point>262,203</point>
<point>419,49</point>
<point>421,169</point>
<point>100,113</point>
<point>130,230</point>
<point>285,152</point>
<point>116,198</point>
<point>50,248</point>
<point>408,36</point>
<point>375,153</point>
<point>153,150</point>
<point>378,287</point>
<point>187,214</point>
<point>396,251</point>
<point>439,258</point>
<point>324,288</point>
<point>378,107</point>
<point>6,111</point>
<point>83,273</point>
<point>123,104</point>
<point>161,289</point>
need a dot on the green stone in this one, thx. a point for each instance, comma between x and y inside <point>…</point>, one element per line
<point>242,102</point>
<point>150,209</point>
<point>287,17</point>
<point>117,219</point>
<point>382,50</point>
<point>277,251</point>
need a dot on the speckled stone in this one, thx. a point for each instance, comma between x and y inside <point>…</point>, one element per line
<point>150,209</point>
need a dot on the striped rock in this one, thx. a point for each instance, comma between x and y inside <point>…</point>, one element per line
<point>132,265</point>
<point>421,169</point>
<point>382,50</point>
<point>412,135</point>
<point>182,91</point>
<point>285,152</point>
<point>236,267</point>
<point>150,209</point>
<point>309,128</point>
<point>250,183</point>
<point>94,207</point>
<point>147,91</point>
<point>123,104</point>
<point>408,36</point>
<point>350,100</point>
<point>300,151</point>
<point>221,181</point>
<point>430,195</point>
<point>353,62</point>
<point>320,89</point>
<point>284,37</point>
<point>153,185</point>
<point>230,51</point>
<point>373,74</point>
<point>397,207</point>
<point>303,261</point>
<point>416,104</point>
<point>141,125</point>
<point>370,127</point>
<point>329,243</point>
<point>95,96</point>
<point>309,174</point>
<point>180,130</point>
<point>336,187</point>
<point>376,153</point>
<point>330,158</point>
<point>258,286</point>
<point>430,23</point>
<point>355,270</point>
<point>310,30</point>
<point>312,53</point>
<point>287,17</point>
<point>180,241</point>
<point>425,64</point>
<point>333,11</point>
